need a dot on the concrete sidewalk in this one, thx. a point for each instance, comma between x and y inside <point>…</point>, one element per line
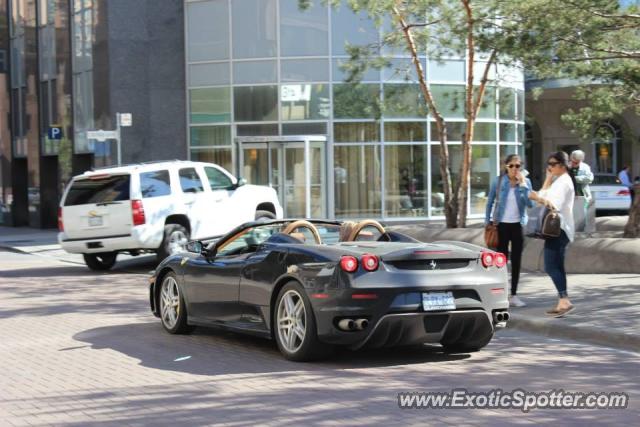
<point>607,309</point>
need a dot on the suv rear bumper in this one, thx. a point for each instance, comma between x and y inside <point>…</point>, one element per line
<point>138,239</point>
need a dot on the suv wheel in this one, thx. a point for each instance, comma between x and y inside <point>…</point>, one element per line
<point>175,240</point>
<point>101,261</point>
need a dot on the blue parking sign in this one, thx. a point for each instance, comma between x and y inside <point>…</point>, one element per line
<point>54,132</point>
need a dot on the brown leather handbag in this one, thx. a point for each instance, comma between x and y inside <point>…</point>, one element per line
<point>491,230</point>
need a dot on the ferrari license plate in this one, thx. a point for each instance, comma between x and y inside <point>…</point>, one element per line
<point>432,301</point>
<point>95,221</point>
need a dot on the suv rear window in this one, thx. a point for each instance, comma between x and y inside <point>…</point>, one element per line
<point>98,190</point>
<point>155,184</point>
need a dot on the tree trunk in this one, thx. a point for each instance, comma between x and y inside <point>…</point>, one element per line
<point>632,229</point>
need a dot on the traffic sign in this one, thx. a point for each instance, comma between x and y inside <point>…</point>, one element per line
<point>102,135</point>
<point>54,132</point>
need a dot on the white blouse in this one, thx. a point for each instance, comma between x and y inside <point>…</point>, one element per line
<point>561,194</point>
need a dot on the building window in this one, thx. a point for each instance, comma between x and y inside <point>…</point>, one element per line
<point>255,103</point>
<point>210,105</point>
<point>303,33</point>
<point>405,186</point>
<point>357,178</point>
<point>305,102</point>
<point>606,142</point>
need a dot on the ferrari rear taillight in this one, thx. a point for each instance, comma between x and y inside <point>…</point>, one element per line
<point>370,262</point>
<point>349,263</point>
<point>500,260</point>
<point>60,221</point>
<point>487,259</point>
<point>137,212</point>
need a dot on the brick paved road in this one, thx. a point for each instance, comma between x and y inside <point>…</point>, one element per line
<point>79,348</point>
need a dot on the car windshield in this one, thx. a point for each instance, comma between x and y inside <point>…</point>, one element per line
<point>248,240</point>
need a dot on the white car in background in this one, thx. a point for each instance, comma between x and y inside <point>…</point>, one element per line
<point>609,194</point>
<point>155,207</point>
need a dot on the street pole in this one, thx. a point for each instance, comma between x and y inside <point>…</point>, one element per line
<point>118,142</point>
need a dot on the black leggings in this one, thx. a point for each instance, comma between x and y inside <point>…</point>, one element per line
<point>511,232</point>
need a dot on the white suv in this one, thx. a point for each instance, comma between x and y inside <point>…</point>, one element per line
<point>155,207</point>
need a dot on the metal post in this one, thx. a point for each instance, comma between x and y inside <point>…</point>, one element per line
<point>307,178</point>
<point>118,144</point>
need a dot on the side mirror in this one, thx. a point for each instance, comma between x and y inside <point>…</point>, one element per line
<point>196,247</point>
<point>241,182</point>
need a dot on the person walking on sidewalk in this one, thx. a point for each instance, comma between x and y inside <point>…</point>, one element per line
<point>582,177</point>
<point>511,214</point>
<point>557,193</point>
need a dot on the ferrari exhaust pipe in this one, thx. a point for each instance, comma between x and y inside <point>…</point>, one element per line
<point>347,324</point>
<point>362,324</point>
<point>498,317</point>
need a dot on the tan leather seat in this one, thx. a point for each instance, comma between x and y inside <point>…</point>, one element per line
<point>299,236</point>
<point>345,230</point>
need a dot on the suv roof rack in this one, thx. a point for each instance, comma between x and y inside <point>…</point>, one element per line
<point>136,164</point>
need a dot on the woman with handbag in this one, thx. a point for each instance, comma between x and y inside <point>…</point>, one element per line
<point>557,193</point>
<point>507,212</point>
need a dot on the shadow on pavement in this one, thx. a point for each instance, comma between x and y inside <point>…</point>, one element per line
<point>216,352</point>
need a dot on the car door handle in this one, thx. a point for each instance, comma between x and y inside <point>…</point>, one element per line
<point>190,202</point>
<point>218,200</point>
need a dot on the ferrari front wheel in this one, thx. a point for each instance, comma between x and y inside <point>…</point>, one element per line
<point>295,325</point>
<point>173,311</point>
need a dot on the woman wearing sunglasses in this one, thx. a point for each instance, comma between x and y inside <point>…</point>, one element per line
<point>510,212</point>
<point>557,193</point>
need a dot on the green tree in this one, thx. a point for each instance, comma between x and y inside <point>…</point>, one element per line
<point>594,42</point>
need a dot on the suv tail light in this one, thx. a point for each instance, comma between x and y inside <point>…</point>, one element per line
<point>370,262</point>
<point>349,263</point>
<point>60,222</point>
<point>487,258</point>
<point>500,260</point>
<point>624,193</point>
<point>137,211</point>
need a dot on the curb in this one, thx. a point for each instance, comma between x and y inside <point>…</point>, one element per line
<point>549,328</point>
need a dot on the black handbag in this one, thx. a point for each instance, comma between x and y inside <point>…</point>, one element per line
<point>544,223</point>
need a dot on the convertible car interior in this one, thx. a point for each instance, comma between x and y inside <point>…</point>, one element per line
<point>303,232</point>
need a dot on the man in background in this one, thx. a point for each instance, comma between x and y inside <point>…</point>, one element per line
<point>625,179</point>
<point>582,175</point>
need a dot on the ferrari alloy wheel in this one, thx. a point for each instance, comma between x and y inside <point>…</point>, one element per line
<point>172,308</point>
<point>292,321</point>
<point>295,325</point>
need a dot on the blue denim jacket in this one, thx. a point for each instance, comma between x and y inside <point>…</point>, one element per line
<point>522,196</point>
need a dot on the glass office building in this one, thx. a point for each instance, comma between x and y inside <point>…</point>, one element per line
<point>266,98</point>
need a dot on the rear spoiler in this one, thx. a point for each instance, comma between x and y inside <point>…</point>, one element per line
<point>464,245</point>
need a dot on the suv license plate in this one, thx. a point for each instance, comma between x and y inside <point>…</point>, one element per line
<point>432,301</point>
<point>95,221</point>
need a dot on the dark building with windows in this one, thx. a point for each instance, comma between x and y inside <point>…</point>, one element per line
<point>253,85</point>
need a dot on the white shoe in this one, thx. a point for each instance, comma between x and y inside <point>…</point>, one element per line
<point>514,301</point>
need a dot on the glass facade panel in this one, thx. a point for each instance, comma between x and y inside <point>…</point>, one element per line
<point>255,103</point>
<point>219,156</point>
<point>258,130</point>
<point>488,106</point>
<point>254,28</point>
<point>356,101</point>
<point>484,131</point>
<point>304,129</point>
<point>483,167</point>
<point>357,188</point>
<point>405,131</point>
<point>447,71</point>
<point>340,74</point>
<point>404,100</point>
<point>406,174</point>
<point>303,33</point>
<point>208,30</point>
<point>437,191</point>
<point>304,70</point>
<point>254,72</point>
<point>400,70</point>
<point>305,102</point>
<point>356,132</point>
<point>449,99</point>
<point>209,74</point>
<point>454,131</point>
<point>507,104</point>
<point>207,136</point>
<point>520,105</point>
<point>355,29</point>
<point>505,150</point>
<point>210,105</point>
<point>507,132</point>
